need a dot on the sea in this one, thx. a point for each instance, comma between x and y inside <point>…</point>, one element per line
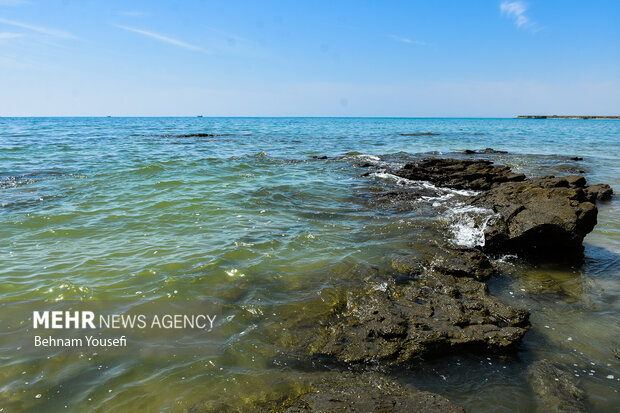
<point>260,215</point>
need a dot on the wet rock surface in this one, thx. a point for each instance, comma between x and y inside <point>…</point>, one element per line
<point>425,314</point>
<point>599,192</point>
<point>487,150</point>
<point>463,262</point>
<point>556,386</point>
<point>543,217</point>
<point>458,173</point>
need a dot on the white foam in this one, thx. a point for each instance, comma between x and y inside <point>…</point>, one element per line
<point>424,184</point>
<point>368,157</point>
<point>467,224</point>
<point>391,177</point>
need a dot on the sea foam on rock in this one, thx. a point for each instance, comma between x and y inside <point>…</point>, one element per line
<point>544,217</point>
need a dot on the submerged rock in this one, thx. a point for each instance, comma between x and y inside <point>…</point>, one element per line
<point>335,392</point>
<point>456,261</point>
<point>430,315</point>
<point>555,387</point>
<point>368,393</point>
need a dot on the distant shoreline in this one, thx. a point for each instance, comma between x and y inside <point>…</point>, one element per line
<point>565,117</point>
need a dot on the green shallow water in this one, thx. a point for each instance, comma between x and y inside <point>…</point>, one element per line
<point>110,209</point>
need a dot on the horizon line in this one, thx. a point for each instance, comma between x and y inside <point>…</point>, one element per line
<point>521,117</point>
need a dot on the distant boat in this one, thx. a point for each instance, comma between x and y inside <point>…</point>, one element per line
<point>108,116</point>
<point>199,116</point>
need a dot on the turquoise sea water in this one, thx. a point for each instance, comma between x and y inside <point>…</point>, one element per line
<point>117,208</point>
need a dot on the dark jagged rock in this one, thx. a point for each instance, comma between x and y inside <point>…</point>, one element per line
<point>431,315</point>
<point>599,192</point>
<point>555,388</point>
<point>319,157</point>
<point>368,393</point>
<point>487,150</point>
<point>457,173</point>
<point>544,217</point>
<point>576,158</point>
<point>459,262</point>
<point>463,262</point>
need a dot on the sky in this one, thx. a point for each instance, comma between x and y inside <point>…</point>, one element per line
<point>496,58</point>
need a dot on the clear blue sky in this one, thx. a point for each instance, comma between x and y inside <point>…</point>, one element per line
<point>312,58</point>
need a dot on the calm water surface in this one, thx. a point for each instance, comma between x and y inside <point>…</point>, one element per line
<point>117,208</point>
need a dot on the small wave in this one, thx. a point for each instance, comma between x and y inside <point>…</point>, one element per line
<point>369,160</point>
<point>392,177</point>
<point>149,169</point>
<point>420,134</point>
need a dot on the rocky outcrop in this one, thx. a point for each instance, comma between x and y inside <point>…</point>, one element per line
<point>599,192</point>
<point>462,262</point>
<point>542,217</point>
<point>428,314</point>
<point>487,150</point>
<point>535,217</point>
<point>555,388</point>
<point>476,174</point>
<point>434,302</point>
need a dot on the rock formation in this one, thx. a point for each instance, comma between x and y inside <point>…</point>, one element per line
<point>544,217</point>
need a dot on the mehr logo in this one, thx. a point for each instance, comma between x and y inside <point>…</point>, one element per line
<point>63,319</point>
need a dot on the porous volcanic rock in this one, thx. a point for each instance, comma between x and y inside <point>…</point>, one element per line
<point>599,192</point>
<point>432,314</point>
<point>543,217</point>
<point>555,388</point>
<point>475,174</point>
<point>463,262</point>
